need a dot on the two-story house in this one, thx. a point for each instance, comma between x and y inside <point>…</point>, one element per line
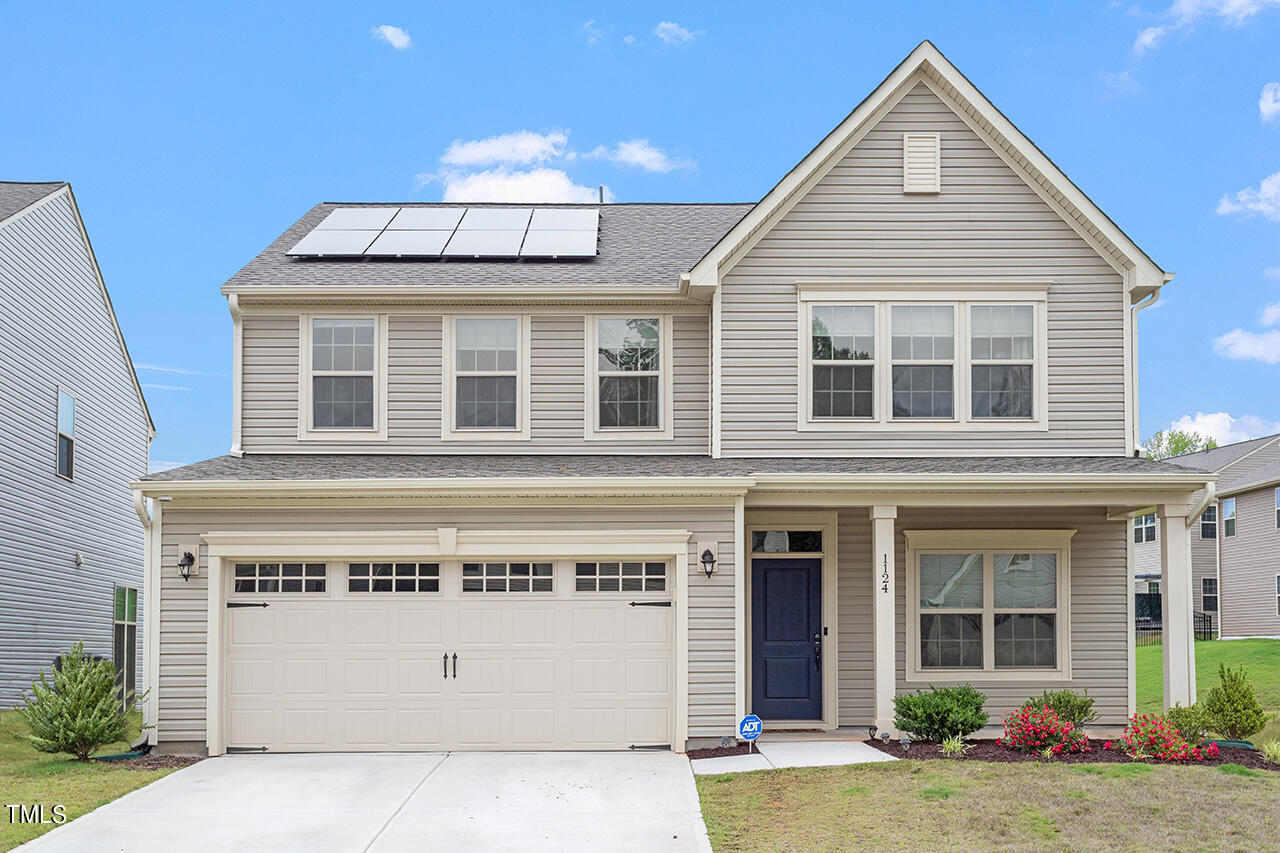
<point>74,430</point>
<point>1235,546</point>
<point>602,476</point>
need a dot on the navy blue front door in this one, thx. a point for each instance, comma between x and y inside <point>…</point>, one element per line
<point>786,639</point>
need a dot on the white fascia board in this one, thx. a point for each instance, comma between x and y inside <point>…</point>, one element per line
<point>459,486</point>
<point>410,294</point>
<point>969,482</point>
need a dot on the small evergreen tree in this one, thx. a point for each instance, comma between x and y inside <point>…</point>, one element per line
<point>80,711</point>
<point>1231,709</point>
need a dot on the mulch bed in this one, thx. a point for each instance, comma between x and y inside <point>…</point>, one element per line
<point>152,761</point>
<point>718,751</point>
<point>989,750</point>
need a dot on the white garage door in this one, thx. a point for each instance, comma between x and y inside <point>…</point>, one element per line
<point>448,655</point>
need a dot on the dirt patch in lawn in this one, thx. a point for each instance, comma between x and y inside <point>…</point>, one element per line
<point>989,750</point>
<point>152,761</point>
<point>720,751</point>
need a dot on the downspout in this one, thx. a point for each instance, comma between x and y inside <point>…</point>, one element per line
<point>1210,492</point>
<point>237,351</point>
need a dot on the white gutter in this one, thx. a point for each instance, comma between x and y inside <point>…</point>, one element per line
<point>1210,492</point>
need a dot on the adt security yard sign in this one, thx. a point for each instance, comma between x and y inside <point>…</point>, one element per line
<point>749,728</point>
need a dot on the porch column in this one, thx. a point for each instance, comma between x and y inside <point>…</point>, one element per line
<point>1175,591</point>
<point>883,597</point>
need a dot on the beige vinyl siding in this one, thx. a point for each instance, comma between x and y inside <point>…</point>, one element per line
<point>1250,563</point>
<point>183,604</point>
<point>985,225</point>
<point>557,402</point>
<point>1099,606</point>
<point>56,330</point>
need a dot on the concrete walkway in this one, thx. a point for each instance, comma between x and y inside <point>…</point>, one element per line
<point>792,753</point>
<point>413,802</point>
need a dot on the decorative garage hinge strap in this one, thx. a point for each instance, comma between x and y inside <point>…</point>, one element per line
<point>649,603</point>
<point>247,604</point>
<point>649,746</point>
<point>234,749</point>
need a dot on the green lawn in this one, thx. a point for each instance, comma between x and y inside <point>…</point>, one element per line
<point>1260,657</point>
<point>971,805</point>
<point>31,777</point>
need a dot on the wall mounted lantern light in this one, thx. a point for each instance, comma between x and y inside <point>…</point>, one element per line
<point>184,565</point>
<point>708,561</point>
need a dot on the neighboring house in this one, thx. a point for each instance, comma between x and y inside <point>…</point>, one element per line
<point>600,476</point>
<point>1235,547</point>
<point>75,433</point>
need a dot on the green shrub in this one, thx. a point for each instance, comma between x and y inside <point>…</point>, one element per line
<point>79,712</point>
<point>1191,722</point>
<point>1231,709</point>
<point>1074,708</point>
<point>940,713</point>
<point>1271,752</point>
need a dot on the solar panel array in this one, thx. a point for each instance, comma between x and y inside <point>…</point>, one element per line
<point>453,232</point>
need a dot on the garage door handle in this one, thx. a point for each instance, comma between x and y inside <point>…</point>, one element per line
<point>455,664</point>
<point>446,664</point>
<point>649,603</point>
<point>247,604</point>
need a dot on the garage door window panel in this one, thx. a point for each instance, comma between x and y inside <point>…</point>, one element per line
<point>634,576</point>
<point>393,577</point>
<point>507,577</point>
<point>280,577</point>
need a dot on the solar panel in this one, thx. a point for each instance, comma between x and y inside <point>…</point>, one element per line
<point>358,218</point>
<point>408,244</point>
<point>426,219</point>
<point>561,219</point>
<point>559,244</point>
<point>496,219</point>
<point>321,243</point>
<point>484,244</point>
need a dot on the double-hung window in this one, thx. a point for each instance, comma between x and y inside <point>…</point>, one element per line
<point>1209,522</point>
<point>923,353</point>
<point>843,351</point>
<point>629,365</point>
<point>1277,509</point>
<point>1229,518</point>
<point>1209,595</point>
<point>66,435</point>
<point>1144,528</point>
<point>998,607</point>
<point>344,379</point>
<point>125,644</point>
<point>1002,361</point>
<point>487,378</point>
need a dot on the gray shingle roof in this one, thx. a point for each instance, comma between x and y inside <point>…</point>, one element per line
<point>1264,476</point>
<point>1218,458</point>
<point>16,195</point>
<point>402,466</point>
<point>640,244</point>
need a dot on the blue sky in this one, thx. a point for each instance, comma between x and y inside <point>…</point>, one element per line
<point>194,134</point>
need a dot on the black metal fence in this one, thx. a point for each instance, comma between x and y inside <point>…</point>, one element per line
<point>1149,622</point>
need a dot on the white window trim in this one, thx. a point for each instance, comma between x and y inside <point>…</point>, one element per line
<point>58,433</point>
<point>449,430</point>
<point>306,411</point>
<point>1214,595</point>
<point>1140,523</point>
<point>966,541</point>
<point>806,358</point>
<point>884,295</point>
<point>1226,518</point>
<point>1277,509</point>
<point>884,386</point>
<point>1203,538</point>
<point>592,430</point>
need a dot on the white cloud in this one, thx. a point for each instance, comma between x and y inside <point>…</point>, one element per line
<point>1244,345</point>
<point>592,32</point>
<point>1148,39</point>
<point>164,387</point>
<point>1272,272</point>
<point>1270,314</point>
<point>629,39</point>
<point>394,36</point>
<point>672,33</point>
<point>1269,102</point>
<point>1225,429</point>
<point>1264,199</point>
<point>1119,82</point>
<point>639,154</point>
<point>521,146</point>
<point>541,185</point>
<point>182,371</point>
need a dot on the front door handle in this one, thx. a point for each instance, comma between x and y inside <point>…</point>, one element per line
<point>455,664</point>
<point>817,650</point>
<point>446,664</point>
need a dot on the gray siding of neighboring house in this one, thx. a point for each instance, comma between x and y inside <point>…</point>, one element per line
<point>1099,607</point>
<point>1250,564</point>
<point>1204,563</point>
<point>183,615</point>
<point>55,329</point>
<point>985,225</point>
<point>557,404</point>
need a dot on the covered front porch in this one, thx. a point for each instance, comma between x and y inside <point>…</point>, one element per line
<point>850,595</point>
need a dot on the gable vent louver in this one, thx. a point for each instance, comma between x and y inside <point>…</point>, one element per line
<point>921,163</point>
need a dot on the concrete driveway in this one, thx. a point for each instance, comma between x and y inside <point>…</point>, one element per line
<point>467,802</point>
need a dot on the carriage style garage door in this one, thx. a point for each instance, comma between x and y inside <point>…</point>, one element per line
<point>448,655</point>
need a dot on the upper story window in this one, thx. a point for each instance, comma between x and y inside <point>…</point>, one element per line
<point>1144,528</point>
<point>488,378</point>
<point>1229,518</point>
<point>901,360</point>
<point>1277,509</point>
<point>843,346</point>
<point>923,356</point>
<point>629,377</point>
<point>1209,522</point>
<point>66,434</point>
<point>344,379</point>
<point>1209,595</point>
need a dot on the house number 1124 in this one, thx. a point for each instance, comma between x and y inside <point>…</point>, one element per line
<point>884,572</point>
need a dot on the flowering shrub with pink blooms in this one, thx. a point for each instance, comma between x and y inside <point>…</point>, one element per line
<point>1153,736</point>
<point>1041,730</point>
